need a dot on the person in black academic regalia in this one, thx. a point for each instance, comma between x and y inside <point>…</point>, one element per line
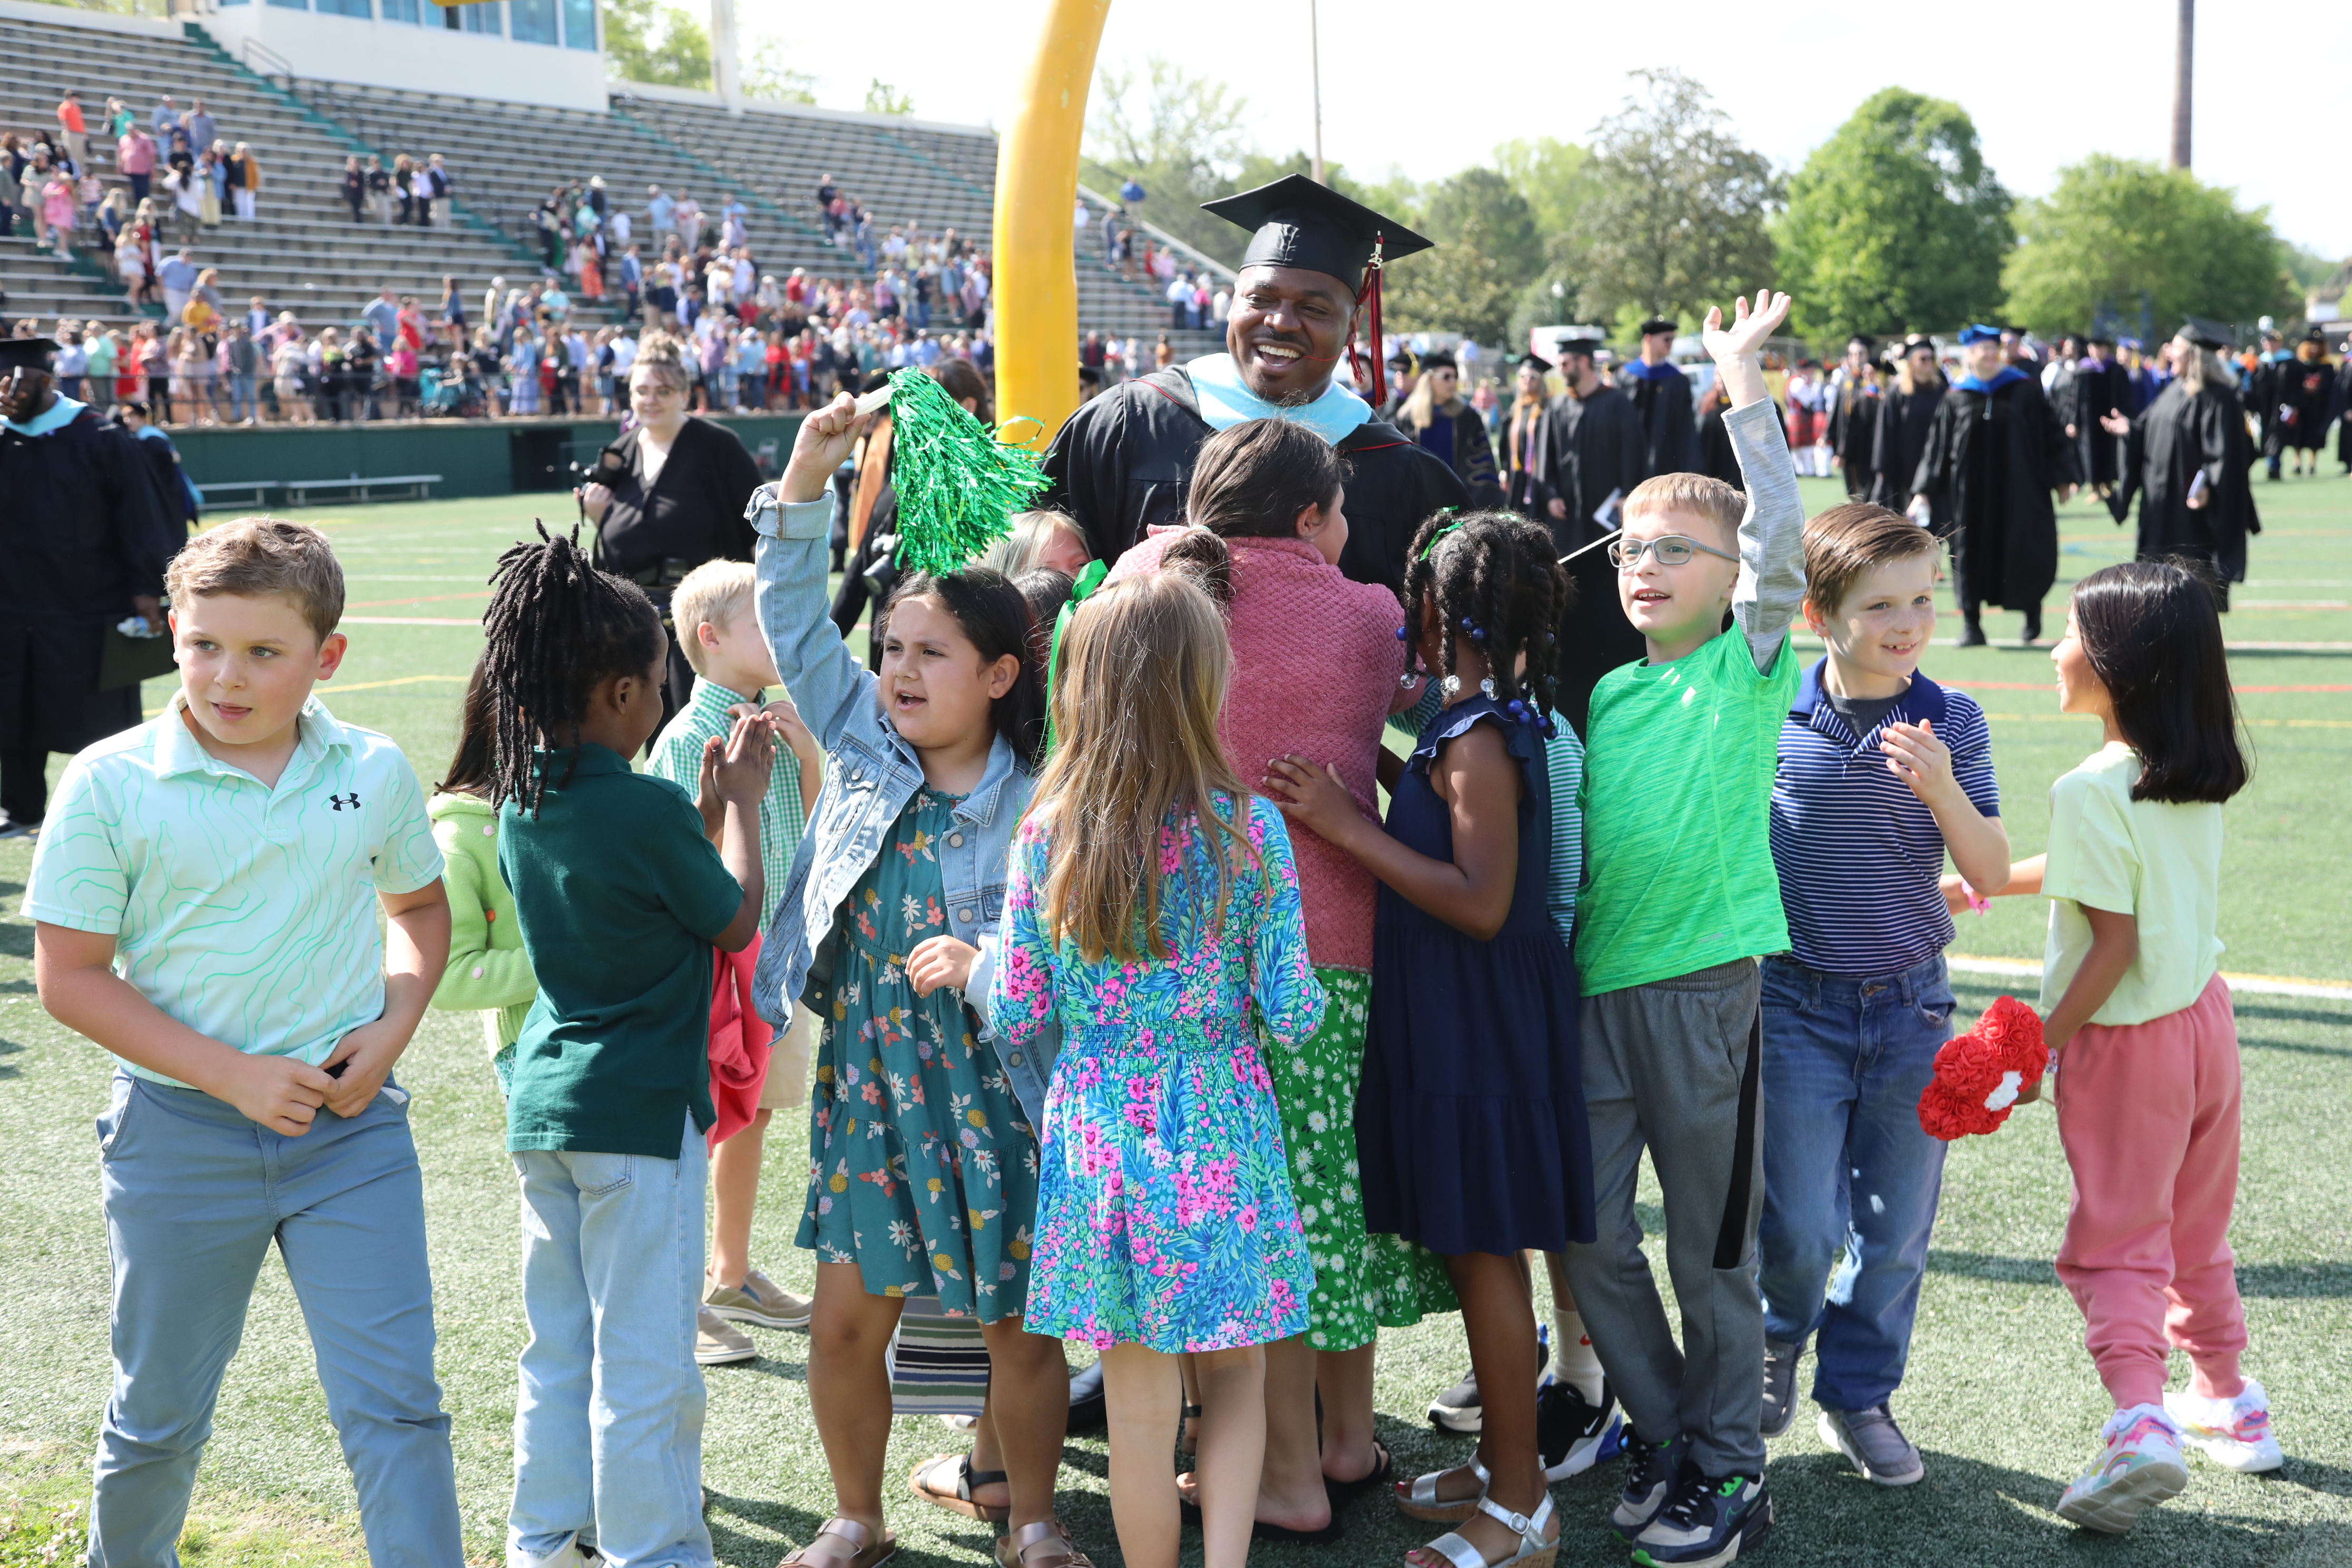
<point>1995,453</point>
<point>2341,411</point>
<point>1436,415</point>
<point>1906,410</point>
<point>1521,437</point>
<point>1123,460</point>
<point>2189,458</point>
<point>1661,395</point>
<point>2305,387</point>
<point>86,534</point>
<point>1594,453</point>
<point>1854,414</point>
<point>2086,392</point>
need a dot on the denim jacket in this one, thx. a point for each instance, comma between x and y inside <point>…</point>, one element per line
<point>870,775</point>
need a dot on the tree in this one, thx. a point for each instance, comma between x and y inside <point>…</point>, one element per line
<point>1483,201</point>
<point>1894,223</point>
<point>2123,237</point>
<point>768,74</point>
<point>1181,138</point>
<point>881,97</point>
<point>1486,249</point>
<point>648,41</point>
<point>1550,176</point>
<point>1675,220</point>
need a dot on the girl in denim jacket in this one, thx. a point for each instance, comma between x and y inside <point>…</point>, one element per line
<point>923,1156</point>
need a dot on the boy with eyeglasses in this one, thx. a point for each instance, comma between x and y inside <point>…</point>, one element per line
<point>1680,900</point>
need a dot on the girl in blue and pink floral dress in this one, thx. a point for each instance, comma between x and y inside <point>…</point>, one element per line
<point>1150,902</point>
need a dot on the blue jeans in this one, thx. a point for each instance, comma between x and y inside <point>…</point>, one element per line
<point>193,1195</point>
<point>241,399</point>
<point>608,1424</point>
<point>1849,1177</point>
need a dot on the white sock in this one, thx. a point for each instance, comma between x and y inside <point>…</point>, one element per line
<point>1572,1359</point>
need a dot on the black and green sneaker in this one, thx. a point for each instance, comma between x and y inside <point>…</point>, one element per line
<point>1708,1521</point>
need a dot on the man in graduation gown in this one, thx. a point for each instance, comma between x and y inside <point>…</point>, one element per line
<point>1906,411</point>
<point>1995,453</point>
<point>85,534</point>
<point>1854,415</point>
<point>1124,461</point>
<point>2188,458</point>
<point>2087,392</point>
<point>1595,452</point>
<point>1662,395</point>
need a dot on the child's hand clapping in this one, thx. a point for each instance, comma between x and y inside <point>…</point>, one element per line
<point>793,733</point>
<point>735,768</point>
<point>1312,796</point>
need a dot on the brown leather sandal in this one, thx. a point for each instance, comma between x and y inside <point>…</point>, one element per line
<point>1045,1544</point>
<point>866,1550</point>
<point>961,1481</point>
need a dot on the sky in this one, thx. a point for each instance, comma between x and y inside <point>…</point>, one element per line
<point>2047,81</point>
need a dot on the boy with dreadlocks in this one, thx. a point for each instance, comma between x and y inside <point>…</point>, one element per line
<point>1470,1122</point>
<point>1680,900</point>
<point>620,896</point>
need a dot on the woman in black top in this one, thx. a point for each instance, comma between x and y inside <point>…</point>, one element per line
<point>669,494</point>
<point>354,186</point>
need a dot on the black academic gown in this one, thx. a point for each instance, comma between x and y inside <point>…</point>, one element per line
<point>84,528</point>
<point>1853,426</point>
<point>2341,407</point>
<point>1124,462</point>
<point>2085,393</point>
<point>1460,439</point>
<point>2307,388</point>
<point>1593,446</point>
<point>1904,420</point>
<point>1991,462</point>
<point>1669,429</point>
<point>2174,439</point>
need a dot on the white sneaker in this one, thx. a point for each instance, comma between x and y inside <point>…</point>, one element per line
<point>2140,1467</point>
<point>2233,1432</point>
<point>572,1553</point>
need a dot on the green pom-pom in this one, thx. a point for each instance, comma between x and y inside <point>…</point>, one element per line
<point>957,485</point>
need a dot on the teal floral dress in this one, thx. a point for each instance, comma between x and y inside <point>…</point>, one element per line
<point>922,1168</point>
<point>1165,1217</point>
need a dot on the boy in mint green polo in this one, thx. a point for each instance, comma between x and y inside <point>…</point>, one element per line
<point>205,891</point>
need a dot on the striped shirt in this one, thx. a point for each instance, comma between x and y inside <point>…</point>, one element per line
<point>677,756</point>
<point>245,911</point>
<point>1859,855</point>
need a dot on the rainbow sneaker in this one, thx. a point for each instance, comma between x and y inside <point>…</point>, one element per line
<point>2233,1432</point>
<point>2140,1467</point>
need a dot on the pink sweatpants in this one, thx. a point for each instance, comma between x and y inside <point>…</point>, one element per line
<point>2149,1113</point>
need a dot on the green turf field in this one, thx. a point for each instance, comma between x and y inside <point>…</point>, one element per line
<point>2001,1395</point>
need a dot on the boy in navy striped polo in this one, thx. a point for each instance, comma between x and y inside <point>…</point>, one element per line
<point>1880,771</point>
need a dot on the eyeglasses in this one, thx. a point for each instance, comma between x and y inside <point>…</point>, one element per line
<point>1667,550</point>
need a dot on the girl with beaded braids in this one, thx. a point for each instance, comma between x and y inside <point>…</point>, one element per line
<point>1470,1124</point>
<point>620,896</point>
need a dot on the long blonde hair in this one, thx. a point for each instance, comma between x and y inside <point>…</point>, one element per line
<point>1144,666</point>
<point>2200,367</point>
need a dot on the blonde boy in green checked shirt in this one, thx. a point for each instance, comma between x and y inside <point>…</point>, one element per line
<point>732,666</point>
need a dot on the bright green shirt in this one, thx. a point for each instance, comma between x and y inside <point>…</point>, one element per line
<point>2156,862</point>
<point>620,899</point>
<point>1678,797</point>
<point>677,756</point>
<point>245,911</point>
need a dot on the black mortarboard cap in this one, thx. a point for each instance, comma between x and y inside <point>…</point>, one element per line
<point>1438,359</point>
<point>2317,334</point>
<point>30,353</point>
<point>1660,324</point>
<point>2207,334</point>
<point>1297,223</point>
<point>1587,347</point>
<point>1533,361</point>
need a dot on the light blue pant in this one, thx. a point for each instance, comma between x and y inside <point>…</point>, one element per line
<point>608,1424</point>
<point>1850,1178</point>
<point>195,1193</point>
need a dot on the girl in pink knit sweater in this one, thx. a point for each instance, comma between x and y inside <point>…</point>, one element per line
<point>1316,669</point>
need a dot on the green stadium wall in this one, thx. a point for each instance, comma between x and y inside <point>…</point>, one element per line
<point>473,457</point>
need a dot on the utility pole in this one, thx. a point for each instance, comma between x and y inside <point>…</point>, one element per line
<point>2184,71</point>
<point>1315,62</point>
<point>726,58</point>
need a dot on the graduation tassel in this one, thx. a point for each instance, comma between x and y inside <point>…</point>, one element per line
<point>957,485</point>
<point>1371,290</point>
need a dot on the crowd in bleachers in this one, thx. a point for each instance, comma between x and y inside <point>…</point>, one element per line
<point>178,176</point>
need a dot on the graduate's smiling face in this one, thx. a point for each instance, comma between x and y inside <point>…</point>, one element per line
<point>1985,359</point>
<point>1287,330</point>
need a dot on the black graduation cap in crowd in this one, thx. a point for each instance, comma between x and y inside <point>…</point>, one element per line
<point>1587,347</point>
<point>1297,223</point>
<point>1536,361</point>
<point>1660,324</point>
<point>1437,359</point>
<point>2207,334</point>
<point>29,353</point>
<point>2317,335</point>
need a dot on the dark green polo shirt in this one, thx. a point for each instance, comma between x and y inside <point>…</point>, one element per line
<point>620,899</point>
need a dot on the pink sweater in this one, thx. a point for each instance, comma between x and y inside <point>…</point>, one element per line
<point>1315,661</point>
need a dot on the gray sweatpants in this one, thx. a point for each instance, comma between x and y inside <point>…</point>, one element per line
<point>1675,1066</point>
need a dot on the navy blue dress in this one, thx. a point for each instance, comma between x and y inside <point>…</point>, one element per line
<point>1470,1124</point>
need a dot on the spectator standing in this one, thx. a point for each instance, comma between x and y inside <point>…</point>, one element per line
<point>453,314</point>
<point>242,358</point>
<point>437,173</point>
<point>382,313</point>
<point>661,211</point>
<point>245,182</point>
<point>99,350</point>
<point>134,155</point>
<point>187,187</point>
<point>686,217</point>
<point>422,192</point>
<point>354,186</point>
<point>178,277</point>
<point>202,127</point>
<point>632,281</point>
<point>379,188</point>
<point>165,119</point>
<point>57,211</point>
<point>73,128</point>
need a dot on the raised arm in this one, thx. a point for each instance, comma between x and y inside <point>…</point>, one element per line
<point>793,521</point>
<point>1771,535</point>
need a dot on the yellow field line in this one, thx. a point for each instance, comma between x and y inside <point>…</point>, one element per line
<point>2252,984</point>
<point>2263,723</point>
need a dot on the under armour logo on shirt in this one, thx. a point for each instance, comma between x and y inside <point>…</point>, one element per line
<point>340,801</point>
